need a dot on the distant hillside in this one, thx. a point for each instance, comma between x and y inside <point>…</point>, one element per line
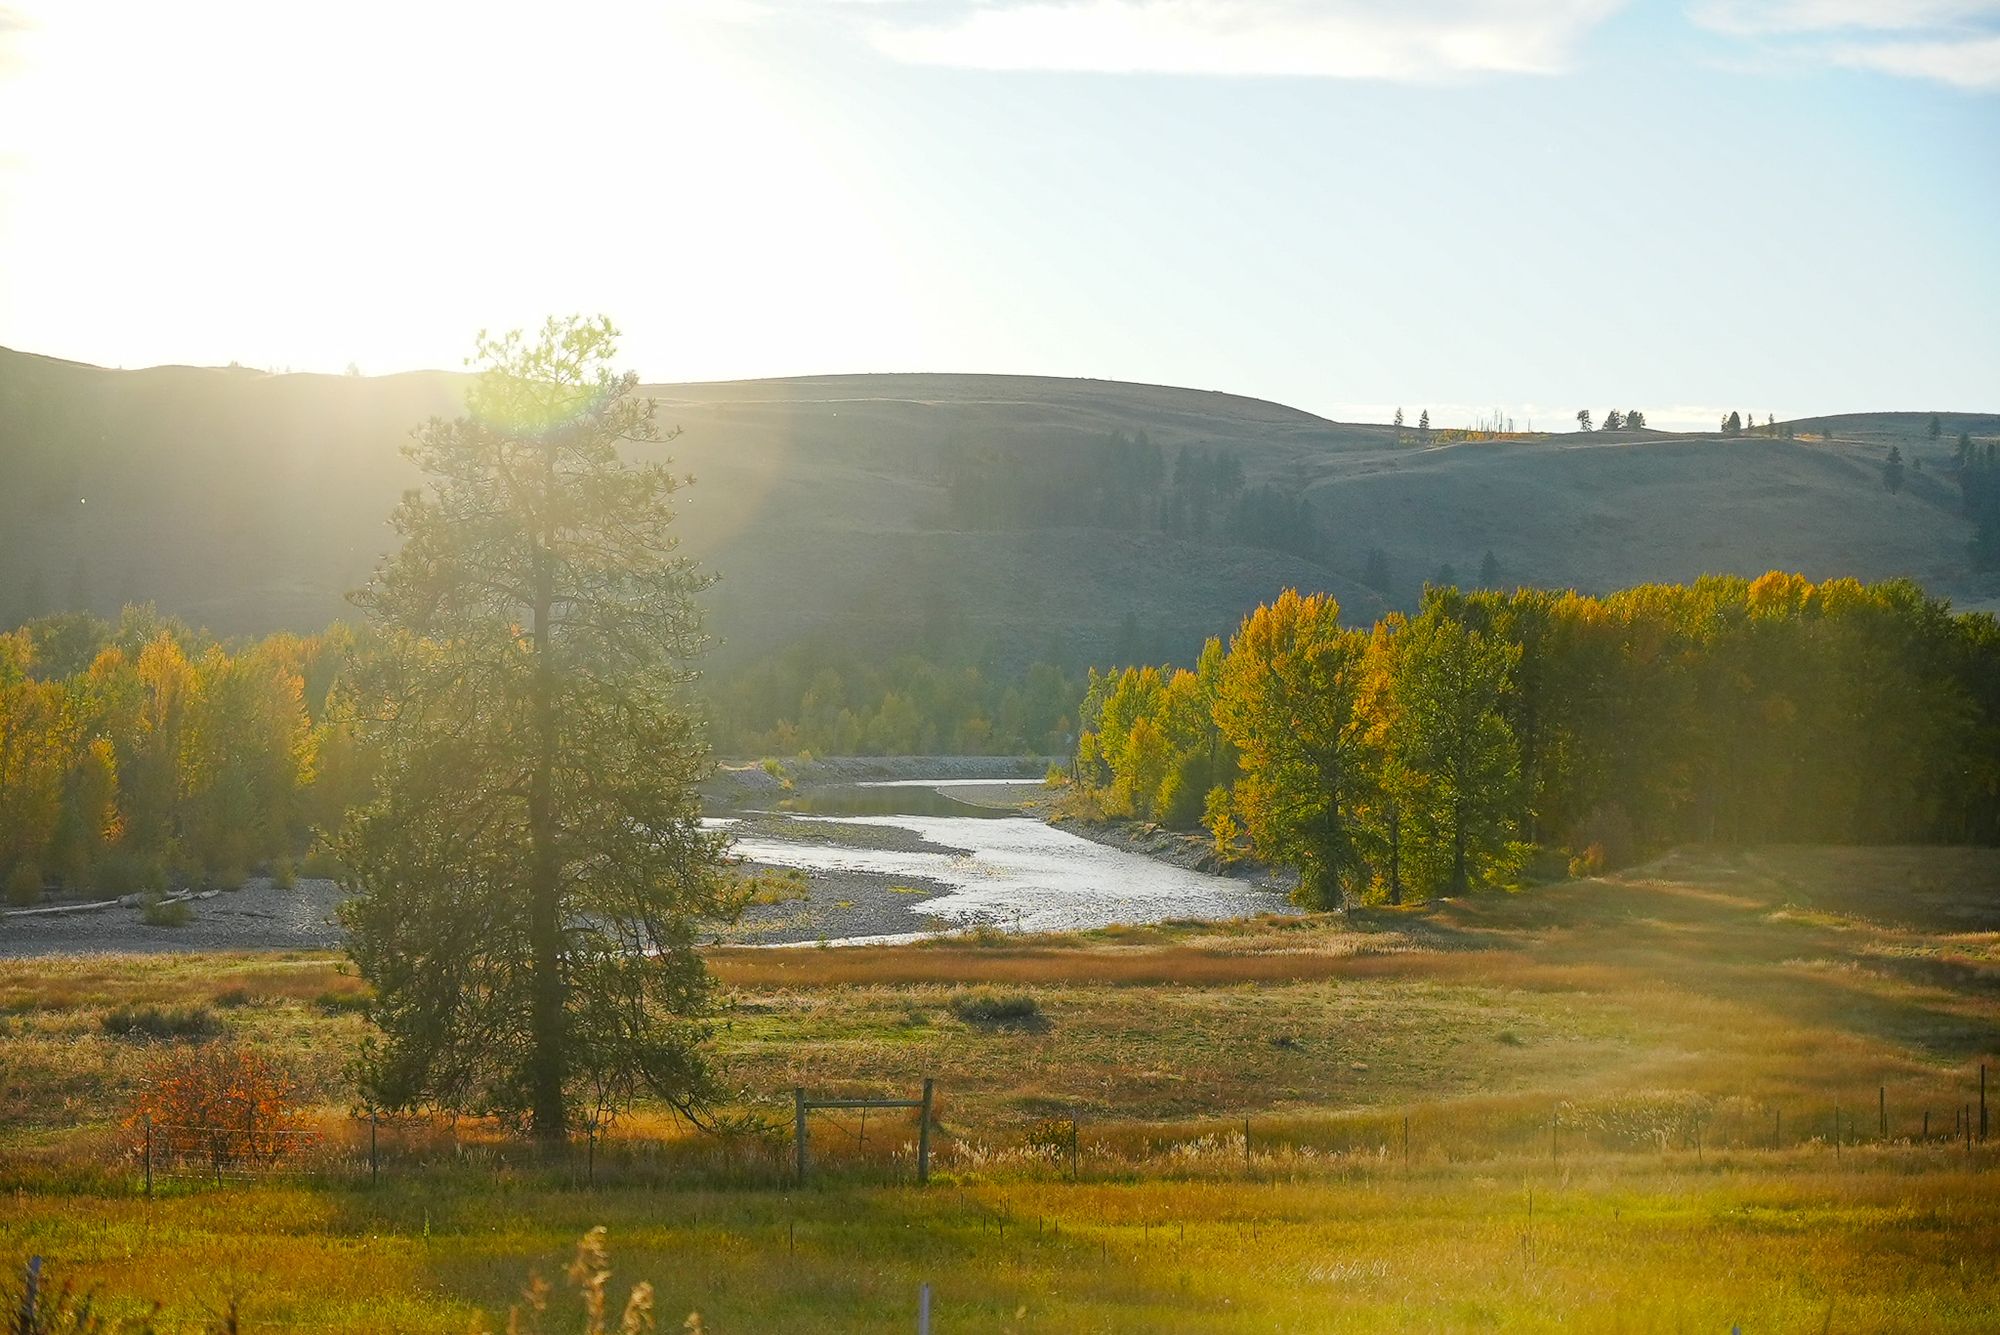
<point>250,501</point>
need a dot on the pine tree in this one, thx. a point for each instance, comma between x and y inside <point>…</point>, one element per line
<point>1424,425</point>
<point>1892,471</point>
<point>1489,571</point>
<point>1936,428</point>
<point>1376,573</point>
<point>531,877</point>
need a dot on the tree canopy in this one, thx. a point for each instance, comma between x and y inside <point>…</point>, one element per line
<point>533,866</point>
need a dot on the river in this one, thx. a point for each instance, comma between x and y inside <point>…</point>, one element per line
<point>955,863</point>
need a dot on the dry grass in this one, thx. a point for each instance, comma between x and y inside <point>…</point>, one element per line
<point>1662,1021</point>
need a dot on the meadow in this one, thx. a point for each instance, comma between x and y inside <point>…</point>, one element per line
<point>1690,1096</point>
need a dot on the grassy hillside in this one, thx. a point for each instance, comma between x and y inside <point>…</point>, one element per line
<point>250,501</point>
<point>1693,1028</point>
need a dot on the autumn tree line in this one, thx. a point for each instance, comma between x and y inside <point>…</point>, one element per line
<point>143,755</point>
<point>1493,733</point>
<point>140,754</point>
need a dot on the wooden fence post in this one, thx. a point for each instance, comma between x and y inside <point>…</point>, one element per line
<point>799,1134</point>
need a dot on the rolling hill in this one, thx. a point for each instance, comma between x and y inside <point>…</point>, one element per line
<point>250,501</point>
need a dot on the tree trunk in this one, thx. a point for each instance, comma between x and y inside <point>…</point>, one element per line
<point>545,1072</point>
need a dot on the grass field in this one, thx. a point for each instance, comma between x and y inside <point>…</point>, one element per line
<point>1593,1078</point>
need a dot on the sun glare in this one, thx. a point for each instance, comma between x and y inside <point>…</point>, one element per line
<point>236,164</point>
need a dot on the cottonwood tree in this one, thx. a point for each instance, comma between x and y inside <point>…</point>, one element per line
<point>531,875</point>
<point>1459,763</point>
<point>1583,419</point>
<point>1286,700</point>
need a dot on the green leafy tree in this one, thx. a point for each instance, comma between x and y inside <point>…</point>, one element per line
<point>1460,761</point>
<point>533,871</point>
<point>1583,419</point>
<point>1286,702</point>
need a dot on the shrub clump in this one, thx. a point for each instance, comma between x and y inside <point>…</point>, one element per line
<point>220,1103</point>
<point>998,1010</point>
<point>166,913</point>
<point>162,1022</point>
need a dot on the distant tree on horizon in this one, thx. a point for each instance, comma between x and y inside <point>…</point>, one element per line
<point>1399,421</point>
<point>1634,420</point>
<point>1375,574</point>
<point>1936,427</point>
<point>1892,471</point>
<point>1614,420</point>
<point>1732,425</point>
<point>1424,425</point>
<point>1963,454</point>
<point>1489,570</point>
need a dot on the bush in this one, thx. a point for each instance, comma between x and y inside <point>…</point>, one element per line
<point>283,875</point>
<point>220,1103</point>
<point>166,913</point>
<point>998,1010</point>
<point>148,1022</point>
<point>24,886</point>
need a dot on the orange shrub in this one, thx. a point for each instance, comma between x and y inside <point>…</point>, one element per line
<point>220,1103</point>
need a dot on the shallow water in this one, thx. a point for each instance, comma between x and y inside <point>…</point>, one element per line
<point>1020,874</point>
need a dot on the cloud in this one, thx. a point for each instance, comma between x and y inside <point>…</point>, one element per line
<point>1969,63</point>
<point>1343,39</point>
<point>1752,18</point>
<point>1955,42</point>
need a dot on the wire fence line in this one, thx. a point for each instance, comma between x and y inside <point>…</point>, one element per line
<point>370,1147</point>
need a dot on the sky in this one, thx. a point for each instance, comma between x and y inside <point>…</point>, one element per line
<point>1682,206</point>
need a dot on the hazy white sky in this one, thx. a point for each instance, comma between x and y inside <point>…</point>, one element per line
<point>1782,206</point>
